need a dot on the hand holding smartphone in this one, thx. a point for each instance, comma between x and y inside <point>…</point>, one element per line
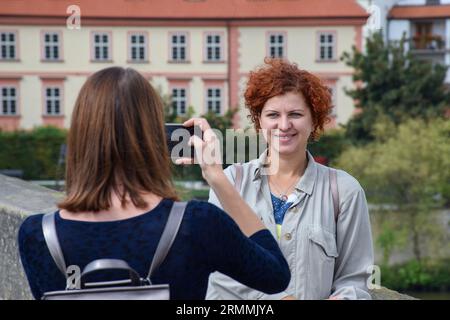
<point>207,149</point>
<point>178,140</point>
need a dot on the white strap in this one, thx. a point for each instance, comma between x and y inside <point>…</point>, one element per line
<point>51,239</point>
<point>334,193</point>
<point>168,236</point>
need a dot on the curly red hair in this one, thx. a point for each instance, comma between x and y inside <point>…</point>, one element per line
<point>278,77</point>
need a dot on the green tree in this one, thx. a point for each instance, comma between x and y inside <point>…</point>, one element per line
<point>35,152</point>
<point>220,122</point>
<point>392,235</point>
<point>408,167</point>
<point>392,81</point>
<point>330,145</point>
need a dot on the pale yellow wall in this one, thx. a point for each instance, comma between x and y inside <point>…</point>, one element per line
<point>30,102</point>
<point>345,104</point>
<point>30,99</point>
<point>76,64</point>
<point>76,50</point>
<point>301,49</point>
<point>73,86</point>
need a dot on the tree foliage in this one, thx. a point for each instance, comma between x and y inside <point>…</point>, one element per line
<point>407,167</point>
<point>391,81</point>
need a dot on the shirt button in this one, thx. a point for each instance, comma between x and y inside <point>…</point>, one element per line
<point>288,236</point>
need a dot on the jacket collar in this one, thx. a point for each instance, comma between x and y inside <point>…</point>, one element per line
<point>306,182</point>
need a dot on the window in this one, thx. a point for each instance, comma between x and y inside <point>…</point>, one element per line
<point>138,47</point>
<point>327,46</point>
<point>276,45</point>
<point>101,47</point>
<point>213,47</point>
<point>8,45</point>
<point>179,100</point>
<point>51,46</point>
<point>53,101</point>
<point>9,100</point>
<point>214,100</point>
<point>178,47</point>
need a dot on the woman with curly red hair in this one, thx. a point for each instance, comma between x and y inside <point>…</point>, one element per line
<point>319,215</point>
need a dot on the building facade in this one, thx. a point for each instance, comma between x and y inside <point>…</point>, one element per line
<point>198,51</point>
<point>424,23</point>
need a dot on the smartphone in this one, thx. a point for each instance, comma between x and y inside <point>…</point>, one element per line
<point>177,140</point>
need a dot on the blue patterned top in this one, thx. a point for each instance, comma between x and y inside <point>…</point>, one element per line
<point>208,240</point>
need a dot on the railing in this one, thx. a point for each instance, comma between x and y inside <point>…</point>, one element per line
<point>427,43</point>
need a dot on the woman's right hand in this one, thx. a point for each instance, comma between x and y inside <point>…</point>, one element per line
<point>207,150</point>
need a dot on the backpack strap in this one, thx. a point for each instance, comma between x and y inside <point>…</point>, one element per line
<point>238,180</point>
<point>334,193</point>
<point>168,236</point>
<point>51,239</point>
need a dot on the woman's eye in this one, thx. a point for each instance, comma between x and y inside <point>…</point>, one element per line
<point>272,115</point>
<point>296,115</point>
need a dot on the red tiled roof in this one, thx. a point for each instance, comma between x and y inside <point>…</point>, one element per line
<point>187,9</point>
<point>418,12</point>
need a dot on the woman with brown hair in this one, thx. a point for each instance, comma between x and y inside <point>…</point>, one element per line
<point>119,194</point>
<point>319,215</point>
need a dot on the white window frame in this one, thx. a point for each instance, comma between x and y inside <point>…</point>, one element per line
<point>53,100</point>
<point>177,100</point>
<point>326,47</point>
<point>8,44</point>
<point>214,101</point>
<point>177,46</point>
<point>8,99</point>
<point>51,45</point>
<point>138,46</point>
<point>276,46</point>
<point>214,47</point>
<point>101,45</point>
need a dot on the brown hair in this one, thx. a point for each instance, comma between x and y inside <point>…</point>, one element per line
<point>116,143</point>
<point>278,77</point>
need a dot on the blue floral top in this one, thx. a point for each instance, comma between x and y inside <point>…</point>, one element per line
<point>280,207</point>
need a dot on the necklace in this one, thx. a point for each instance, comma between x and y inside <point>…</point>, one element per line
<point>283,195</point>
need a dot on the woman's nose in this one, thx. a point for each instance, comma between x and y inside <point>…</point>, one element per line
<point>284,124</point>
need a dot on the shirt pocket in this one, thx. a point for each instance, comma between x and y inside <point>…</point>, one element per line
<point>322,255</point>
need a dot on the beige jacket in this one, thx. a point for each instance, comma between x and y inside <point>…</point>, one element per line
<point>325,258</point>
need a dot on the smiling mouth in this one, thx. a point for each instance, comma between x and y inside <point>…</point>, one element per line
<point>284,137</point>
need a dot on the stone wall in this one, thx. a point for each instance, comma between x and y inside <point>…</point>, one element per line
<point>19,199</point>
